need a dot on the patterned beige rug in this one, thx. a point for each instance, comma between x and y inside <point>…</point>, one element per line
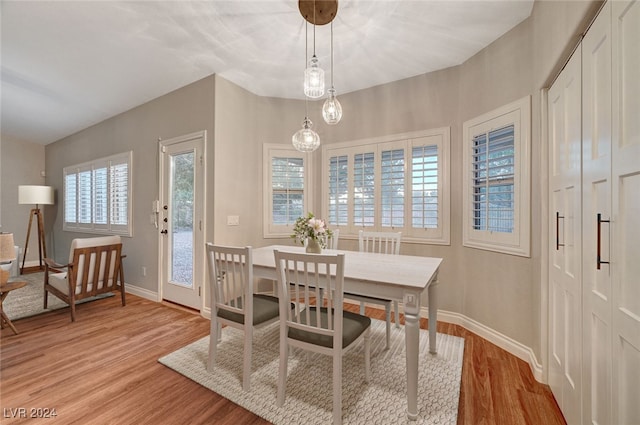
<point>29,300</point>
<point>309,392</point>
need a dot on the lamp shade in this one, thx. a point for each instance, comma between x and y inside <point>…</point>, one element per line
<point>31,194</point>
<point>7,249</point>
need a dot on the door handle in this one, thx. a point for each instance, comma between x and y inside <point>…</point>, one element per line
<point>558,217</point>
<point>599,225</point>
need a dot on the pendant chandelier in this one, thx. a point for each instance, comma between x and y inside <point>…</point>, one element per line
<point>320,12</point>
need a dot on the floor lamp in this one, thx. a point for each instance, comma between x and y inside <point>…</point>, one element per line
<point>38,195</point>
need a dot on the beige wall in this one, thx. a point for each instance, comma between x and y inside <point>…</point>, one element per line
<point>186,110</point>
<point>503,292</point>
<point>21,162</point>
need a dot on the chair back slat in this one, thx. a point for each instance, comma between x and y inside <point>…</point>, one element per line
<point>95,269</point>
<point>231,279</point>
<point>379,242</point>
<point>315,284</point>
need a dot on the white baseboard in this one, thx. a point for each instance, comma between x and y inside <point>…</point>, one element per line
<point>141,292</point>
<point>510,345</point>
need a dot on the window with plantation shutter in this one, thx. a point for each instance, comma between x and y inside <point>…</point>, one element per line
<point>287,185</point>
<point>424,187</point>
<point>392,188</point>
<point>97,196</point>
<point>496,203</point>
<point>70,198</point>
<point>393,183</point>
<point>493,172</point>
<point>286,197</point>
<point>363,190</point>
<point>338,190</point>
<point>100,192</point>
<point>119,193</point>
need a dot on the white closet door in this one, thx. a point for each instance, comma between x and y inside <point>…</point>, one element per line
<point>596,189</point>
<point>625,247</point>
<point>565,288</point>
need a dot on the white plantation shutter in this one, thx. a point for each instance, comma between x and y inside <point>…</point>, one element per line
<point>286,195</point>
<point>84,197</point>
<point>392,188</point>
<point>70,198</point>
<point>364,189</point>
<point>424,187</point>
<point>119,193</point>
<point>493,180</point>
<point>497,179</point>
<point>288,189</point>
<point>338,190</point>
<point>97,196</point>
<point>101,197</point>
<point>398,182</point>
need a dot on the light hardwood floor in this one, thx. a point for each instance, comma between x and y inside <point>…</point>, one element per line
<point>103,369</point>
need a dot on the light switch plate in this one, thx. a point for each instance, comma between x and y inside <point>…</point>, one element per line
<point>233,220</point>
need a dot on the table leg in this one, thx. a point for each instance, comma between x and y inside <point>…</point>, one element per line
<point>433,317</point>
<point>412,343</point>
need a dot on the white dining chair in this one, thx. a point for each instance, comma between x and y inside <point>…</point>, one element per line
<point>233,302</point>
<point>384,243</point>
<point>318,323</point>
<point>332,241</point>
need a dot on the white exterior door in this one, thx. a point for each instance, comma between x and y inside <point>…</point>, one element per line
<point>596,215</point>
<point>181,214</point>
<point>565,285</point>
<point>625,214</point>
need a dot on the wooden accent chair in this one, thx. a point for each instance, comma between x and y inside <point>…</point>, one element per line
<point>95,267</point>
<point>318,323</point>
<point>383,243</point>
<point>233,302</point>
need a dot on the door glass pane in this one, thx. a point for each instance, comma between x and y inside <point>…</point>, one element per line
<point>181,215</point>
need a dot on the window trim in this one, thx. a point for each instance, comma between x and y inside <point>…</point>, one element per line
<point>517,113</point>
<point>269,151</point>
<point>440,137</point>
<point>92,227</point>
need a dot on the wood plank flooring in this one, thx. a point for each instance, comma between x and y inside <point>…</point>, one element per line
<point>103,369</point>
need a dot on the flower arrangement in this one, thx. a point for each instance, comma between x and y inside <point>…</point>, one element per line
<point>308,228</point>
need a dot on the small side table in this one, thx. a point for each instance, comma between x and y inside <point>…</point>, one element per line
<point>5,288</point>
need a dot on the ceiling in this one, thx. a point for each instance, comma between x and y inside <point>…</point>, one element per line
<point>67,65</point>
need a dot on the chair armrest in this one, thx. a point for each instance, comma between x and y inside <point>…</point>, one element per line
<point>55,267</point>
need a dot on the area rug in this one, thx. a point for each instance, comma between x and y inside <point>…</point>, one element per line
<point>29,300</point>
<point>309,386</point>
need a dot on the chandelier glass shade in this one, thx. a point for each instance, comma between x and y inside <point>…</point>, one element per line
<point>314,79</point>
<point>305,139</point>
<point>332,110</point>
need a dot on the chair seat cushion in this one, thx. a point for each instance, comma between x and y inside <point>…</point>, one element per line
<point>60,282</point>
<point>265,308</point>
<point>352,327</point>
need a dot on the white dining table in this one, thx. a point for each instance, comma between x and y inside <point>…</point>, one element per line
<point>396,277</point>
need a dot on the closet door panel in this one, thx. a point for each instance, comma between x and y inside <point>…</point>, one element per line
<point>596,202</point>
<point>565,313</point>
<point>625,254</point>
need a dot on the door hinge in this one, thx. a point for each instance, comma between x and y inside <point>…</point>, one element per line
<point>199,291</point>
